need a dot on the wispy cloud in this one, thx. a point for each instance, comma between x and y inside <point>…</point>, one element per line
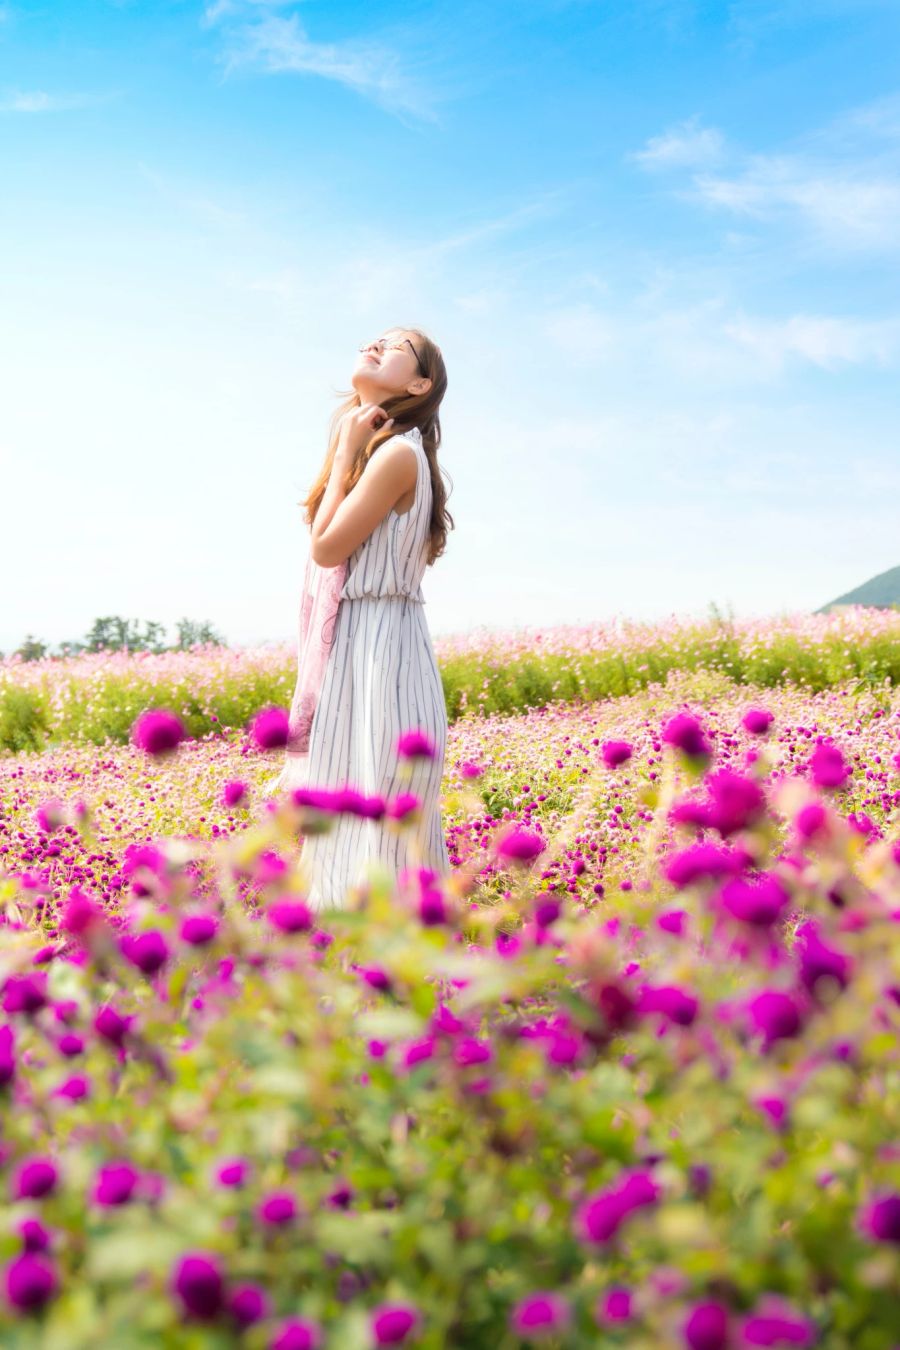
<point>39,101</point>
<point>192,201</point>
<point>823,340</point>
<point>687,145</point>
<point>835,182</point>
<point>257,38</point>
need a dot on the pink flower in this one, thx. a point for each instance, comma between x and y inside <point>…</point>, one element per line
<point>199,929</point>
<point>614,1306</point>
<point>157,732</point>
<point>775,1323</point>
<point>737,801</point>
<point>270,728</point>
<point>393,1323</point>
<point>416,744</point>
<point>149,950</point>
<point>600,1216</point>
<point>539,1314</point>
<point>880,1219</point>
<point>115,1184</point>
<point>706,1327</point>
<point>234,792</point>
<point>50,815</point>
<point>290,916</point>
<point>521,846</point>
<point>757,721</point>
<point>278,1209</point>
<point>775,1016</point>
<point>702,861</point>
<point>199,1284</point>
<point>469,1050</point>
<point>673,1003</point>
<point>757,900</point>
<point>30,1281</point>
<point>827,766</point>
<point>616,753</point>
<point>819,961</point>
<point>298,1334</point>
<point>36,1177</point>
<point>686,734</point>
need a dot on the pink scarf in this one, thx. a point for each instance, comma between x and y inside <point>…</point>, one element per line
<point>320,599</point>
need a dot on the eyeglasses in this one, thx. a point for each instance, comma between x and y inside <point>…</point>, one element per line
<point>392,346</point>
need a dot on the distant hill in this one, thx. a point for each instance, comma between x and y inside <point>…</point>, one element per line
<point>880,592</point>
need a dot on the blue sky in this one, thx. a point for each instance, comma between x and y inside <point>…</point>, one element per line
<point>657,241</point>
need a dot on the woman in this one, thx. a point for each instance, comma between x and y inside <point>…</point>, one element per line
<point>367,670</point>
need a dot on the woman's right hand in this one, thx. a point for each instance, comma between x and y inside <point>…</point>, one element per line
<point>358,424</point>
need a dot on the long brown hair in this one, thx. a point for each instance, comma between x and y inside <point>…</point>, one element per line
<point>407,410</point>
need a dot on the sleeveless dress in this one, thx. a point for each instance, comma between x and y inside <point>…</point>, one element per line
<point>382,679</point>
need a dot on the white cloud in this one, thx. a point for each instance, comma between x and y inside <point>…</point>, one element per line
<point>38,101</point>
<point>686,145</point>
<point>370,67</point>
<point>822,340</point>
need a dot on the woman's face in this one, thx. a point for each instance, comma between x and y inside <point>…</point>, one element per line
<point>387,367</point>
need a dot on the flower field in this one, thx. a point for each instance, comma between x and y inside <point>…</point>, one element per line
<point>628,1077</point>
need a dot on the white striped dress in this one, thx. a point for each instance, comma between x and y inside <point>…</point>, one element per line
<point>382,679</point>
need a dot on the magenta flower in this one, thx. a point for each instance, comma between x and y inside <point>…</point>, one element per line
<point>417,1052</point>
<point>819,961</point>
<point>614,1306</point>
<point>600,1216</point>
<point>775,1016</point>
<point>392,1323</point>
<point>74,1089</point>
<point>416,744</point>
<point>757,721</point>
<point>376,978</point>
<point>775,1323</point>
<point>539,1314</point>
<point>880,1219</point>
<point>197,930</point>
<point>7,1055</point>
<point>35,1237</point>
<point>706,1327</point>
<point>673,1003</point>
<point>298,1334</point>
<point>35,1178</point>
<point>30,1281</point>
<point>546,911</point>
<point>50,815</point>
<point>757,900</point>
<point>81,915</point>
<point>403,805</point>
<point>199,1285</point>
<point>616,753</point>
<point>24,993</point>
<point>827,766</point>
<point>290,916</point>
<point>811,820</point>
<point>148,951</point>
<point>248,1304</point>
<point>469,1050</point>
<point>737,802</point>
<point>278,1209</point>
<point>109,1024</point>
<point>234,792</point>
<point>702,861</point>
<point>115,1184</point>
<point>687,735</point>
<point>157,732</point>
<point>232,1172</point>
<point>521,846</point>
<point>270,728</point>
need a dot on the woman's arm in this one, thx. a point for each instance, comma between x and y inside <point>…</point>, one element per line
<point>344,521</point>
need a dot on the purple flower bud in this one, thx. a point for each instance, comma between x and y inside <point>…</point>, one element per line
<point>469,1050</point>
<point>616,753</point>
<point>820,962</point>
<point>737,802</point>
<point>701,861</point>
<point>114,1184</point>
<point>521,846</point>
<point>232,1172</point>
<point>676,1004</point>
<point>30,1281</point>
<point>539,1314</point>
<point>35,1237</point>
<point>404,805</point>
<point>686,734</point>
<point>775,1016</point>
<point>706,1327</point>
<point>74,1089</point>
<point>157,732</point>
<point>547,911</point>
<point>757,900</point>
<point>199,929</point>
<point>418,1051</point>
<point>149,950</point>
<point>247,1304</point>
<point>416,744</point>
<point>81,915</point>
<point>198,1283</point>
<point>35,1177</point>
<point>24,993</point>
<point>271,728</point>
<point>298,1334</point>
<point>278,1209</point>
<point>774,1323</point>
<point>827,766</point>
<point>757,721</point>
<point>110,1025</point>
<point>290,916</point>
<point>613,1306</point>
<point>234,792</point>
<point>811,820</point>
<point>880,1219</point>
<point>50,815</point>
<point>376,978</point>
<point>392,1323</point>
